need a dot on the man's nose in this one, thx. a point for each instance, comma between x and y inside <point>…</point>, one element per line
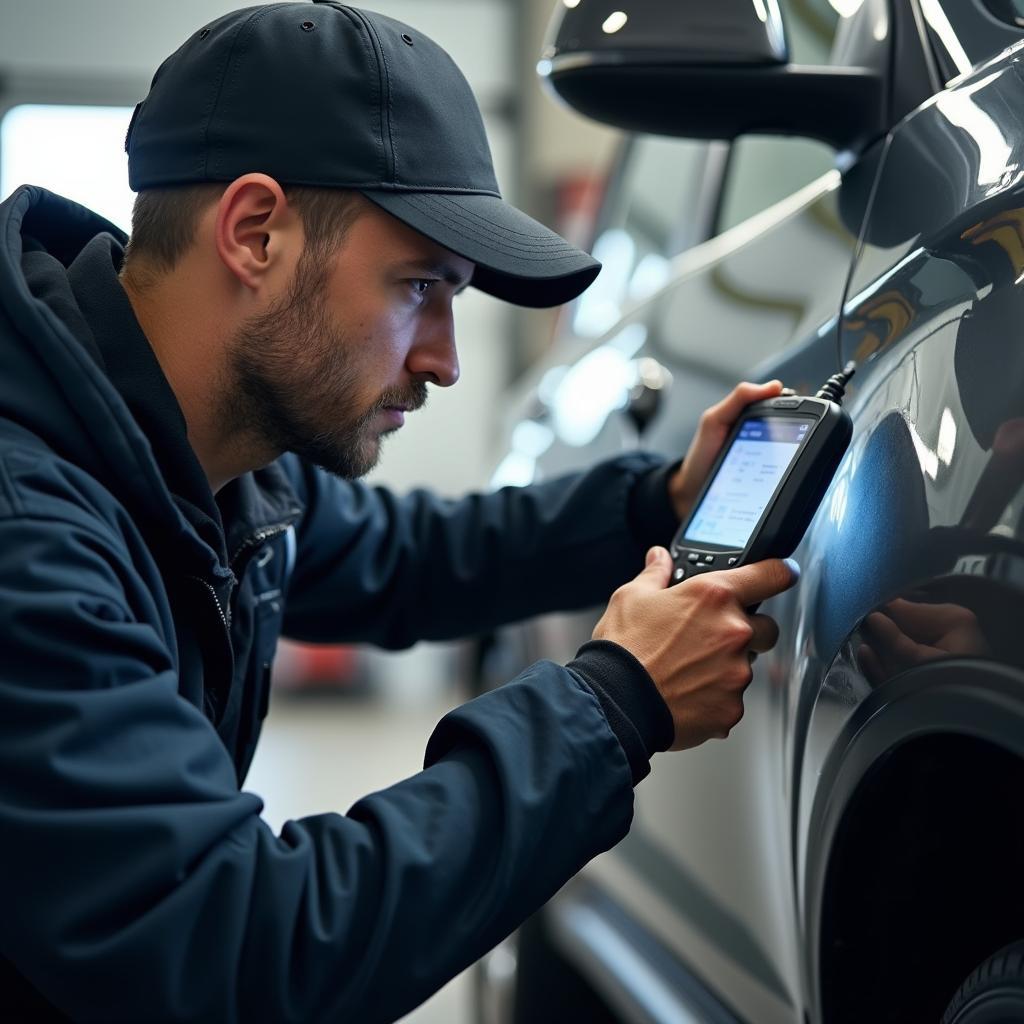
<point>433,357</point>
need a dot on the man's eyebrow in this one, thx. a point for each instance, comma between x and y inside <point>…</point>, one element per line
<point>439,268</point>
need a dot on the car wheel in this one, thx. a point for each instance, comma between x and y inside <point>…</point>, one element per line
<point>994,991</point>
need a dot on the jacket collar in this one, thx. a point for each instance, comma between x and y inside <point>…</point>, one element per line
<point>136,427</point>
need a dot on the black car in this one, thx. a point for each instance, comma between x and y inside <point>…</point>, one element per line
<point>854,852</point>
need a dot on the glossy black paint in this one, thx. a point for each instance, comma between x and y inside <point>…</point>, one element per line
<point>965,33</point>
<point>700,70</point>
<point>923,557</point>
<point>732,32</point>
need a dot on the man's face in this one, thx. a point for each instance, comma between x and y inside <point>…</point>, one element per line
<point>335,364</point>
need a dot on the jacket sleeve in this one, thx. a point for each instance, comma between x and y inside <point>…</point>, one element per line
<point>139,883</point>
<point>374,567</point>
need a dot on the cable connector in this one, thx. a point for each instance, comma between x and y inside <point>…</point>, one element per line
<point>835,387</point>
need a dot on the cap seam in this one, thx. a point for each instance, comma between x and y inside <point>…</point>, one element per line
<point>535,241</point>
<point>359,186</point>
<point>425,190</point>
<point>211,154</point>
<point>526,244</point>
<point>525,253</point>
<point>387,93</point>
<point>366,36</point>
<point>471,215</point>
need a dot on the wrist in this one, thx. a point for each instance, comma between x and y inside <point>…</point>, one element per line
<point>652,514</point>
<point>634,707</point>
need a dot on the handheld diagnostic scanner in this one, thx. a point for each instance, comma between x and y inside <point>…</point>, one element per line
<point>767,481</point>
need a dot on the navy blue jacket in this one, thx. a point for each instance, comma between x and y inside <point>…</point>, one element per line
<point>138,620</point>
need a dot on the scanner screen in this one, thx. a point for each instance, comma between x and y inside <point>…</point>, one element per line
<point>760,454</point>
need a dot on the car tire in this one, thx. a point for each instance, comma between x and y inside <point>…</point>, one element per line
<point>993,993</point>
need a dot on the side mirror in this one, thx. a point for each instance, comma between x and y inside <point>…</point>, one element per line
<point>705,69</point>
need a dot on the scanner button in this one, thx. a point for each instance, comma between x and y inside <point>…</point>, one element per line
<point>733,561</point>
<point>678,574</point>
<point>709,559</point>
<point>785,403</point>
<point>693,557</point>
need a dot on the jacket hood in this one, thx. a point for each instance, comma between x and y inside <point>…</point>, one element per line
<point>52,379</point>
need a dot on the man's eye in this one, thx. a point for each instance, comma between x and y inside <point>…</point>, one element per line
<point>422,285</point>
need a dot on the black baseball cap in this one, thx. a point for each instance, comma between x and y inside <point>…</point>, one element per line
<point>328,95</point>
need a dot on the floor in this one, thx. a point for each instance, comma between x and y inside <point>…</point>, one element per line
<point>321,753</point>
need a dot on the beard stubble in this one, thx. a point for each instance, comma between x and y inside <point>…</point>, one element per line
<point>293,384</point>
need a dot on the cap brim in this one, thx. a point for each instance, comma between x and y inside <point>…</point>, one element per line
<point>517,258</point>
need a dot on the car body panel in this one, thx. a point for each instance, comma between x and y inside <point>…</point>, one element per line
<point>921,495</point>
<point>927,507</point>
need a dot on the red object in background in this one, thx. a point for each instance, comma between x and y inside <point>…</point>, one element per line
<point>314,666</point>
<point>578,199</point>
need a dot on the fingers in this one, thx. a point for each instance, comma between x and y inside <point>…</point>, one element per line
<point>758,581</point>
<point>766,633</point>
<point>657,569</point>
<point>728,410</point>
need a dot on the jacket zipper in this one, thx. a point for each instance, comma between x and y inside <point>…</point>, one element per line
<point>214,695</point>
<point>225,618</point>
<point>255,539</point>
<point>215,698</point>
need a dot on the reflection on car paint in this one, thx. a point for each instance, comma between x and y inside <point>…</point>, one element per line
<point>881,321</point>
<point>1006,230</point>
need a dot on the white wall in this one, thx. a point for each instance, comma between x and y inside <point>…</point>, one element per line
<point>107,50</point>
<point>129,38</point>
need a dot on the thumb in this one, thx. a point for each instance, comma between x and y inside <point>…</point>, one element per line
<point>657,568</point>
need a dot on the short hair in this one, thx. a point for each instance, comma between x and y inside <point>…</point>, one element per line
<point>165,221</point>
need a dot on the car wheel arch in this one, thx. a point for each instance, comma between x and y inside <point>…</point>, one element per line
<point>906,813</point>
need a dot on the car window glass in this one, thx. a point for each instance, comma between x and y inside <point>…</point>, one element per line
<point>1009,10</point>
<point>764,169</point>
<point>647,219</point>
<point>811,27</point>
<point>659,176</point>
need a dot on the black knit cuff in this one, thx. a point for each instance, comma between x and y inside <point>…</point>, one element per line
<point>650,514</point>
<point>636,711</point>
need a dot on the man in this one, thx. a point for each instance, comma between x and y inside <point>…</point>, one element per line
<point>314,188</point>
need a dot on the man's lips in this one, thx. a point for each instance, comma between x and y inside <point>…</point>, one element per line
<point>395,413</point>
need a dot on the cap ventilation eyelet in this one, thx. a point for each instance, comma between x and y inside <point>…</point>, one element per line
<point>407,39</point>
<point>204,33</point>
<point>307,26</point>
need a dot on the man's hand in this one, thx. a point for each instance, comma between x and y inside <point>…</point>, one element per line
<point>696,639</point>
<point>715,424</point>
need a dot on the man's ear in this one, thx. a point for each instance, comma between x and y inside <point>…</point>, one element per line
<point>255,230</point>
